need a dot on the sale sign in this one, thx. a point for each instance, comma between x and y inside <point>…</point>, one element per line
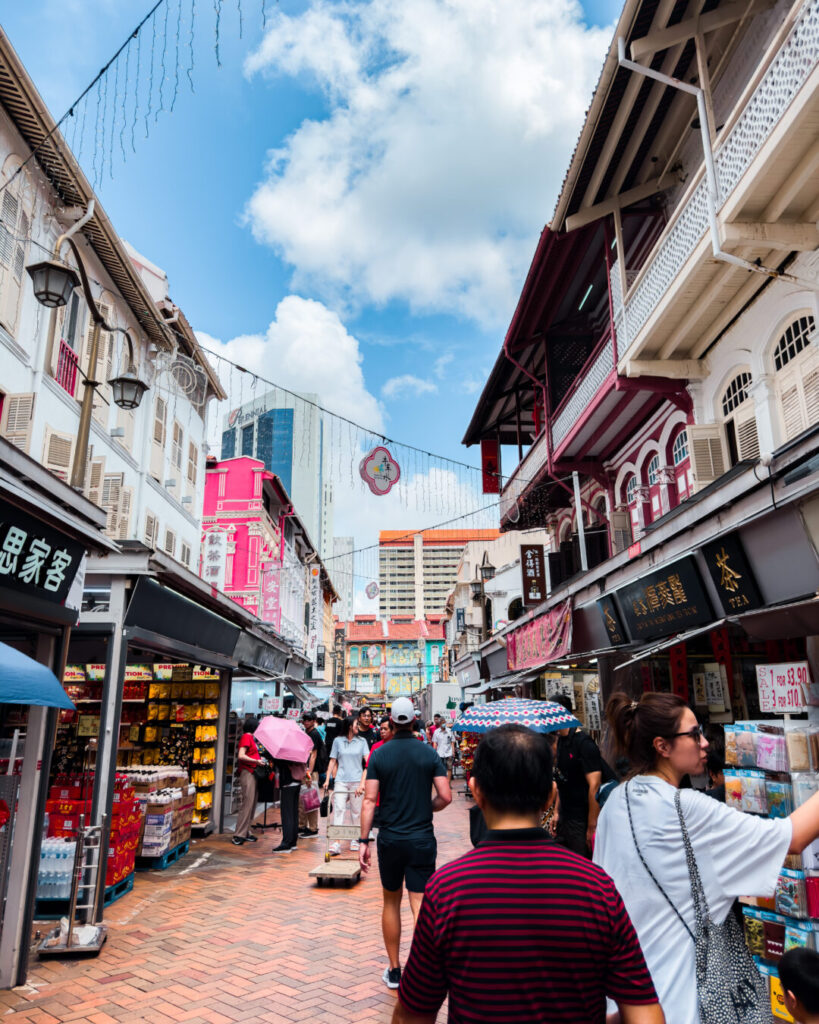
<point>783,689</point>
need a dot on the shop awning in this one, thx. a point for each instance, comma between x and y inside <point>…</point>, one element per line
<point>783,622</point>
<point>310,696</point>
<point>651,649</point>
<point>25,681</point>
<point>505,682</point>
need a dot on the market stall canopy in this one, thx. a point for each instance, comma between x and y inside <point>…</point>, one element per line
<point>505,682</point>
<point>25,681</point>
<point>651,649</point>
<point>540,715</point>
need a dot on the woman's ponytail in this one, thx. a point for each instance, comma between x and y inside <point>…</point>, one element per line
<point>637,723</point>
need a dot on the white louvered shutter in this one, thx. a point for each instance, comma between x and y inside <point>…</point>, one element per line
<point>706,449</point>
<point>809,377</point>
<point>126,421</point>
<point>58,451</point>
<point>14,231</point>
<point>15,423</point>
<point>111,490</point>
<point>746,432</point>
<point>151,529</point>
<point>790,401</point>
<point>157,464</point>
<point>93,480</point>
<point>126,501</point>
<point>620,530</point>
<point>105,366</point>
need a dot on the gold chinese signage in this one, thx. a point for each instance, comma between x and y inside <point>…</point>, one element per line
<point>666,601</point>
<point>732,574</point>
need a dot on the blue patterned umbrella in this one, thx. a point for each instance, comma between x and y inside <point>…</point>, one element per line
<point>540,715</point>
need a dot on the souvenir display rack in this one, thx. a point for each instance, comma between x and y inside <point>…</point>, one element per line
<point>772,766</point>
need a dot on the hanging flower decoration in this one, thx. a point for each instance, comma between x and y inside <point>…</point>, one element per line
<point>371,590</point>
<point>379,471</point>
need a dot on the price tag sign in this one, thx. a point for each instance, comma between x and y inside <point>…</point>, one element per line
<point>271,703</point>
<point>783,689</point>
<point>292,713</point>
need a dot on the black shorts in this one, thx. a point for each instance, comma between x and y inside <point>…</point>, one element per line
<point>410,860</point>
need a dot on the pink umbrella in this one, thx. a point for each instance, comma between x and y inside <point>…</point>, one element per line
<point>284,740</point>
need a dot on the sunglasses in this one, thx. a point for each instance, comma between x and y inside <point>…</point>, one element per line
<point>697,734</point>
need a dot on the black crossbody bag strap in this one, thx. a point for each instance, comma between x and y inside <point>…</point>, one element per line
<point>648,869</point>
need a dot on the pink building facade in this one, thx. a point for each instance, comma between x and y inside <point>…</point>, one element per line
<point>242,535</point>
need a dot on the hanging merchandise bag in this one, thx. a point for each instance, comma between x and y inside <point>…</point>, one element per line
<point>309,798</point>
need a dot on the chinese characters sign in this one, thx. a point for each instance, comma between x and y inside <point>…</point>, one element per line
<point>379,471</point>
<point>271,608</point>
<point>542,640</point>
<point>490,466</point>
<point>732,574</point>
<point>35,558</point>
<point>315,613</point>
<point>669,600</point>
<point>612,622</point>
<point>214,558</point>
<point>783,688</point>
<point>533,574</point>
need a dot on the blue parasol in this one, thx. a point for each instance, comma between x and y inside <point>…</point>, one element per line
<point>25,681</point>
<point>540,715</point>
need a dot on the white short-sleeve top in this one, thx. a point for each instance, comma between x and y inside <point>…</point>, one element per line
<point>737,855</point>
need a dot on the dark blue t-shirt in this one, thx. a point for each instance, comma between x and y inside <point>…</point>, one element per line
<point>405,769</point>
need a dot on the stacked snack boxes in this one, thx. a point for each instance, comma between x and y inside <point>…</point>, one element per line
<point>166,800</point>
<point>773,767</point>
<point>70,797</point>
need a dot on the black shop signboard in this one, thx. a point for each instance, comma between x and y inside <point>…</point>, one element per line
<point>612,621</point>
<point>36,559</point>
<point>666,601</point>
<point>732,574</point>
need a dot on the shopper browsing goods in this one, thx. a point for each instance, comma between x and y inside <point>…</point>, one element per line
<point>348,759</point>
<point>670,851</point>
<point>249,758</point>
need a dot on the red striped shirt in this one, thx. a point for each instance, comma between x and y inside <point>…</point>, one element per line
<point>521,929</point>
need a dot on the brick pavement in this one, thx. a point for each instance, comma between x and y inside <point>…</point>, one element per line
<point>233,934</point>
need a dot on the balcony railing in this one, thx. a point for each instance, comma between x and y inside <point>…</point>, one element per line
<point>787,73</point>
<point>527,470</point>
<point>584,389</point>
<point>67,362</point>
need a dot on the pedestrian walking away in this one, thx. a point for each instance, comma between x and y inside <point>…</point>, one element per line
<point>400,778</point>
<point>249,759</point>
<point>346,771</point>
<point>521,929</point>
<point>672,851</point>
<point>799,975</point>
<point>579,771</point>
<point>290,780</point>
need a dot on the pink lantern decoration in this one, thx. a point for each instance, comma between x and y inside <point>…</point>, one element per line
<point>379,471</point>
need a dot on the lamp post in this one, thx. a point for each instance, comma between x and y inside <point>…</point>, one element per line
<point>484,572</point>
<point>53,283</point>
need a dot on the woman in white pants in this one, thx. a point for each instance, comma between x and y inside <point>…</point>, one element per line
<point>348,766</point>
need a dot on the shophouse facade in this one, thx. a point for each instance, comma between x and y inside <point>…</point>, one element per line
<point>365,655</point>
<point>658,380</point>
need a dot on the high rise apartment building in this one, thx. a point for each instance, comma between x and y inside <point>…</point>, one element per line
<point>286,433</point>
<point>417,569</point>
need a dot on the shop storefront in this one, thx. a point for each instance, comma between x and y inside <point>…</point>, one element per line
<point>46,531</point>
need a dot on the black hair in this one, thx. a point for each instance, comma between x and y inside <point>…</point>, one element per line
<point>384,720</point>
<point>513,769</point>
<point>346,726</point>
<point>563,701</point>
<point>716,749</point>
<point>799,973</point>
<point>251,723</point>
<point>308,715</point>
<point>337,709</point>
<point>415,725</point>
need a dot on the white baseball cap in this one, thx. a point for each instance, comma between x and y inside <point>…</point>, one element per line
<point>402,711</point>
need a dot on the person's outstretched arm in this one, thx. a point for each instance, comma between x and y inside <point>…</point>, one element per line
<point>650,1014</point>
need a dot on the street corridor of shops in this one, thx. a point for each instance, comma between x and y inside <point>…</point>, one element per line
<point>234,934</point>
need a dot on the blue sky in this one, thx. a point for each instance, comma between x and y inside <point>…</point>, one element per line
<point>366,175</point>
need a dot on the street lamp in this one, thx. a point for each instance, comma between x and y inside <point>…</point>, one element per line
<point>53,283</point>
<point>484,572</point>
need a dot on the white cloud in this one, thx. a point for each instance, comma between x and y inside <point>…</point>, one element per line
<point>407,384</point>
<point>441,363</point>
<point>305,348</point>
<point>450,123</point>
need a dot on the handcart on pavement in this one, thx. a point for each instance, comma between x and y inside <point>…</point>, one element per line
<point>339,868</point>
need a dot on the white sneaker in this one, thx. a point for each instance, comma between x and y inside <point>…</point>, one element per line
<point>335,849</point>
<point>354,844</point>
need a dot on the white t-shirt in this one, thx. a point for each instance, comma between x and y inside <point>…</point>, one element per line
<point>442,738</point>
<point>737,855</point>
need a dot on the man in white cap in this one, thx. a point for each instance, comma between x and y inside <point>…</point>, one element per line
<point>402,773</point>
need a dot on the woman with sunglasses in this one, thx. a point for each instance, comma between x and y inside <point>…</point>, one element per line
<point>640,842</point>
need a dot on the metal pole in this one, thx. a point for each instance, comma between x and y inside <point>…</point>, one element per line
<point>581,531</point>
<point>84,432</point>
<point>79,850</point>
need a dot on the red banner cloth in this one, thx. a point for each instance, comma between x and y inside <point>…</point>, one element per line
<point>544,639</point>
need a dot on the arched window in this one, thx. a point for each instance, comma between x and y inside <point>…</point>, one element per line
<point>633,509</point>
<point>654,489</point>
<point>365,657</point>
<point>796,362</point>
<point>739,420</point>
<point>353,657</point>
<point>682,465</point>
<point>631,490</point>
